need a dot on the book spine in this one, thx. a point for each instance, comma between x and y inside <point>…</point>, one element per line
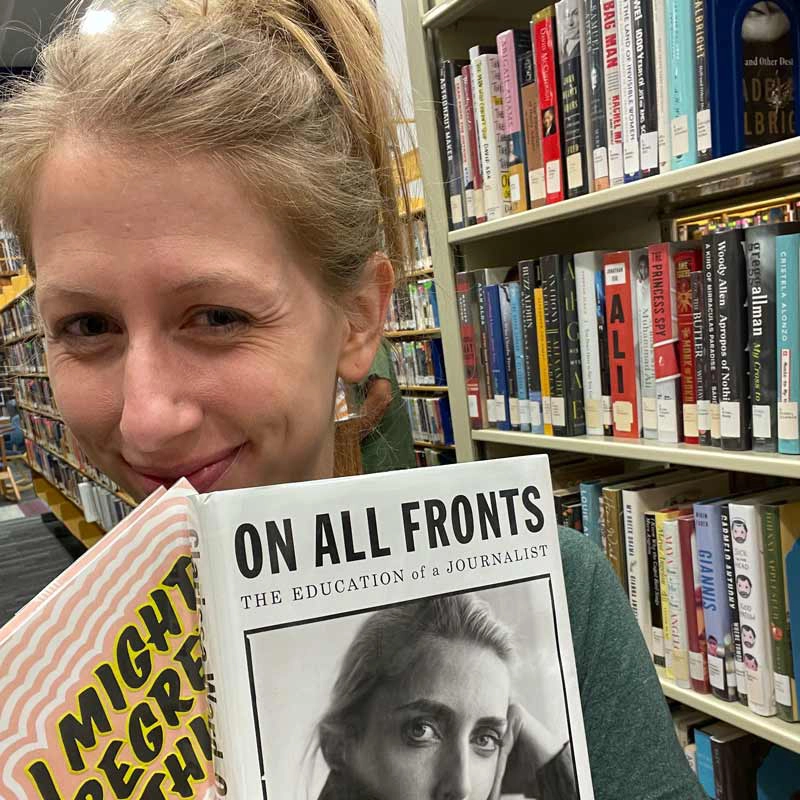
<point>570,337</point>
<point>677,605</point>
<point>552,286</point>
<point>760,250</point>
<point>614,533</point>
<point>663,299</point>
<point>532,123</point>
<point>591,494</point>
<point>455,186</point>
<point>788,334</point>
<point>692,598</point>
<point>785,698</point>
<point>530,345</point>
<point>636,562</point>
<point>703,100</point>
<point>628,90</point>
<point>666,617</point>
<point>733,602</point>
<point>572,105</point>
<point>647,367</point>
<point>472,140</point>
<point>602,341</point>
<point>748,559</point>
<point>543,36</point>
<point>687,262</point>
<point>719,635</point>
<point>731,286</point>
<point>622,349</point>
<point>509,45</point>
<point>611,57</point>
<point>586,268</point>
<point>519,357</point>
<point>485,355</point>
<point>500,139</point>
<point>711,336</point>
<point>497,357</point>
<point>681,55</point>
<point>700,330</point>
<point>544,367</point>
<point>463,148</point>
<point>593,25</point>
<point>509,363</point>
<point>660,49</point>
<point>476,397</point>
<point>654,590</point>
<point>646,90</point>
<point>482,68</point>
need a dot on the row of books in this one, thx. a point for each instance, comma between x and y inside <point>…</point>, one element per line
<point>413,306</point>
<point>732,764</point>
<point>36,392</point>
<point>17,320</point>
<point>598,93</point>
<point>695,342</point>
<point>26,356</point>
<point>430,419</point>
<point>432,457</point>
<point>11,261</point>
<point>419,362</point>
<point>420,244</point>
<point>786,209</point>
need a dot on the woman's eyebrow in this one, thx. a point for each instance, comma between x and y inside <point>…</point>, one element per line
<point>427,706</point>
<point>498,723</point>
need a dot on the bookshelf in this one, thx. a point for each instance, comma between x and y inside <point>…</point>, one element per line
<point>621,217</point>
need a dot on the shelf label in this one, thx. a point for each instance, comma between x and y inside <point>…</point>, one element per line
<point>575,171</point>
<point>553,176</point>
<point>558,411</point>
<point>680,136</point>
<point>600,158</point>
<point>456,211</point>
<point>762,422</point>
<point>623,415</point>
<point>536,180</point>
<point>472,402</point>
<point>716,672</point>
<point>704,130</point>
<point>729,419</point>
<point>696,667</point>
<point>690,419</point>
<point>703,415</point>
<point>649,146</point>
<point>783,689</point>
<point>787,421</point>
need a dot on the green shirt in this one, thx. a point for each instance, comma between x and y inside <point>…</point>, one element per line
<point>633,751</point>
<point>390,445</point>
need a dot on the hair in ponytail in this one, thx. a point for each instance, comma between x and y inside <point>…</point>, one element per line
<point>292,96</point>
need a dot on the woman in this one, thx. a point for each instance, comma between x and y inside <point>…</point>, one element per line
<point>422,709</point>
<point>205,191</point>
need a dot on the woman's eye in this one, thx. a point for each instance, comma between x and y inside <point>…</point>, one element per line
<point>421,732</point>
<point>88,325</point>
<point>487,742</point>
<point>219,319</point>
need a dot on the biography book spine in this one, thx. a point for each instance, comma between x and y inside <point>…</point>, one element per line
<point>711,338</point>
<point>532,124</point>
<point>647,368</point>
<point>733,601</point>
<point>476,394</point>
<point>570,335</point>
<point>700,329</point>
<point>787,248</point>
<point>472,149</point>
<point>703,95</point>
<point>681,59</point>
<point>646,86</point>
<point>611,57</point>
<point>497,357</point>
<point>628,90</point>
<point>463,148</point>
<point>483,67</point>
<point>692,596</point>
<point>679,635</point>
<point>455,183</point>
<point>541,338</point>
<point>587,266</point>
<point>519,357</point>
<point>602,337</point>
<point>687,262</point>
<point>593,25</point>
<point>660,55</point>
<point>509,363</point>
<point>654,589</point>
<point>530,344</point>
<point>483,341</point>
<point>552,285</point>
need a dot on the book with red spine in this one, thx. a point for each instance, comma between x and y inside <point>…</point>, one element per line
<point>543,35</point>
<point>472,146</point>
<point>467,317</point>
<point>611,74</point>
<point>687,262</point>
<point>623,357</point>
<point>693,599</point>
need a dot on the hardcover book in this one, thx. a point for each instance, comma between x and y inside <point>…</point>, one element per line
<point>530,344</point>
<point>644,319</point>
<point>463,146</point>
<point>471,134</point>
<point>702,92</point>
<point>201,648</point>
<point>509,350</point>
<point>683,105</point>
<point>628,90</point>
<point>532,128</point>
<point>712,345</point>
<point>497,356</point>
<point>541,338</point>
<point>587,268</point>
<point>452,147</point>
<point>661,59</point>
<point>593,26</point>
<point>701,371</point>
<point>611,56</point>
<point>519,356</point>
<point>687,262</point>
<point>469,328</point>
<point>644,37</point>
<point>788,334</point>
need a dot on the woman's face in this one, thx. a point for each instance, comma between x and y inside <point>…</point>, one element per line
<point>435,733</point>
<point>186,335</point>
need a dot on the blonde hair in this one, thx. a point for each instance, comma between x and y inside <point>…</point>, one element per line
<point>291,96</point>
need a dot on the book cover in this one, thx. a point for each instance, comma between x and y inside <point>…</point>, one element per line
<point>754,72</point>
<point>532,129</point>
<point>762,312</point>
<point>497,356</point>
<point>473,153</point>
<point>381,581</point>
<point>654,590</point>
<point>731,318</point>
<point>593,27</point>
<point>519,357</point>
<point>509,349</point>
<point>623,356</point>
<point>712,346</point>
<point>687,262</point>
<point>511,46</point>
<point>787,248</point>
<point>448,70</point>
<point>602,338</point>
<point>587,267</point>
<point>469,328</point>
<point>733,601</point>
<point>644,36</point>
<point>547,79</point>
<point>530,344</point>
<point>683,104</point>
<point>576,413</point>
<point>541,339</point>
<point>736,756</point>
<point>664,303</point>
<point>614,533</point>
<point>463,146</point>
<point>716,611</point>
<point>572,64</point>
<point>678,631</point>
<point>628,90</point>
<point>644,319</point>
<point>705,762</point>
<point>701,375</point>
<point>661,58</point>
<point>613,89</point>
<point>702,91</point>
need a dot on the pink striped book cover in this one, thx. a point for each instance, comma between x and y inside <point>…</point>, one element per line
<point>101,674</point>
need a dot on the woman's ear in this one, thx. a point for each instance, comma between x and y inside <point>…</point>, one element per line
<point>365,317</point>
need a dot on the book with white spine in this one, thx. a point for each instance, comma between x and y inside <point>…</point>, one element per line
<point>640,266</point>
<point>611,54</point>
<point>587,265</point>
<point>463,137</point>
<point>679,633</point>
<point>662,86</point>
<point>628,91</point>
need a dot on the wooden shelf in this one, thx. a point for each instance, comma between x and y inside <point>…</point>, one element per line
<point>67,510</point>
<point>422,388</point>
<point>785,734</point>
<point>21,337</point>
<point>650,450</point>
<point>16,374</point>
<point>433,445</point>
<point>45,412</point>
<point>699,183</point>
<point>413,333</point>
<point>427,272</point>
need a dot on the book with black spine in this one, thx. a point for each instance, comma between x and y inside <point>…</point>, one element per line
<point>602,340</point>
<point>646,96</point>
<point>509,355</point>
<point>593,26</point>
<point>712,345</point>
<point>448,69</point>
<point>703,94</point>
<point>731,317</point>
<point>628,90</point>
<point>700,328</point>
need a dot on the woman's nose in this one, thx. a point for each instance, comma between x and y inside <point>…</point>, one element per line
<point>454,783</point>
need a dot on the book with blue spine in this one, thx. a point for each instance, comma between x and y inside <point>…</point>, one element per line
<point>788,350</point>
<point>509,348</point>
<point>591,498</point>
<point>719,631</point>
<point>519,357</point>
<point>705,762</point>
<point>497,357</point>
<point>683,93</point>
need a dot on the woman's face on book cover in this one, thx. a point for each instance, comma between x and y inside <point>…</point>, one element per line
<point>185,334</point>
<point>435,732</point>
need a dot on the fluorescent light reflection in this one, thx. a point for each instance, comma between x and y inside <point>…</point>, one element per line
<point>97,21</point>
